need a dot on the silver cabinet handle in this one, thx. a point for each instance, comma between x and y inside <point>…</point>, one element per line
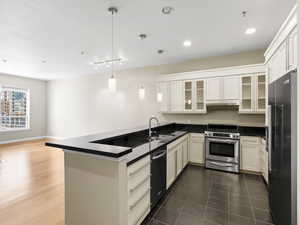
<point>221,141</point>
<point>138,200</point>
<point>136,171</point>
<point>159,155</point>
<point>138,185</point>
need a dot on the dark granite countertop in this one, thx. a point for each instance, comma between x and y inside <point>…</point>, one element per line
<point>115,144</point>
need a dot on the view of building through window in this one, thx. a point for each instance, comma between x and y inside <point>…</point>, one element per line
<point>14,108</point>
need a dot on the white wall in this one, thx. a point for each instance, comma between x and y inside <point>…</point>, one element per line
<point>37,107</point>
<point>83,105</point>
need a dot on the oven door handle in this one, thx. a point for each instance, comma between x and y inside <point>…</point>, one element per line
<point>222,141</point>
<point>221,164</point>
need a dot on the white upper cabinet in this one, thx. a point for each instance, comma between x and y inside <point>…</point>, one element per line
<point>223,90</point>
<point>176,96</point>
<point>292,48</point>
<point>253,94</point>
<point>164,89</point>
<point>199,96</point>
<point>188,96</point>
<point>214,89</point>
<point>282,54</point>
<point>231,88</point>
<point>192,93</point>
<point>261,93</point>
<point>194,96</point>
<point>247,94</point>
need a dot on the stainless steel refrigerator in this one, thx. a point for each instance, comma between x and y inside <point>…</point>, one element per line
<point>283,149</point>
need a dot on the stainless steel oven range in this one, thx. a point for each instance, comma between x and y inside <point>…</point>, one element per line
<point>222,151</point>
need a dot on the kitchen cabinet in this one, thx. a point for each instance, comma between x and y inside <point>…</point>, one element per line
<point>171,166</point>
<point>225,90</point>
<point>138,191</point>
<point>250,154</point>
<point>177,159</point>
<point>214,89</point>
<point>231,88</point>
<point>278,66</point>
<point>185,152</point>
<point>253,93</point>
<point>192,93</point>
<point>188,96</point>
<point>194,96</point>
<point>196,149</point>
<point>264,162</point>
<point>261,93</point>
<point>292,49</point>
<point>164,88</point>
<point>176,96</point>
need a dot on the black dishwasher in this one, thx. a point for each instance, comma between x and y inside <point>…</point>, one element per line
<point>158,175</point>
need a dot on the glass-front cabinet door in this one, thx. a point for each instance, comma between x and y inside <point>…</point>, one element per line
<point>188,90</point>
<point>200,96</point>
<point>246,94</point>
<point>261,93</point>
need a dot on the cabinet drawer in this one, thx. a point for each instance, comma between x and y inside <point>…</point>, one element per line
<point>197,135</point>
<point>250,140</point>
<point>138,166</point>
<point>140,210</point>
<point>136,195</point>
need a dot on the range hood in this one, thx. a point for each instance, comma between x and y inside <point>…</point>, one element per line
<point>223,102</point>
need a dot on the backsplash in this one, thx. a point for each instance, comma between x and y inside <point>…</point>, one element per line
<point>219,116</point>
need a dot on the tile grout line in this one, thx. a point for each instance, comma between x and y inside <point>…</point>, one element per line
<point>250,201</point>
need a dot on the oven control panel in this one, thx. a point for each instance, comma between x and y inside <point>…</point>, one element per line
<point>222,135</point>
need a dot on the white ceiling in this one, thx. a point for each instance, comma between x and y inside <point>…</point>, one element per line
<point>58,30</point>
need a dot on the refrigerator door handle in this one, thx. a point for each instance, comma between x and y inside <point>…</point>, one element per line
<point>269,137</point>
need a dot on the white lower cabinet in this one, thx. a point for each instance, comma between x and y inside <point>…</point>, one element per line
<point>196,148</point>
<point>177,158</point>
<point>185,145</point>
<point>264,162</point>
<point>250,154</point>
<point>139,191</point>
<point>171,166</point>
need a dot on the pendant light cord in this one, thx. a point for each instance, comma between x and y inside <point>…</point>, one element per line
<point>112,44</point>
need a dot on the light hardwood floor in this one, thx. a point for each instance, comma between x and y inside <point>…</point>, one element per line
<point>31,184</point>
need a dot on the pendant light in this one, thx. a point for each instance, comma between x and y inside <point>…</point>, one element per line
<point>141,93</point>
<point>112,81</point>
<point>142,89</point>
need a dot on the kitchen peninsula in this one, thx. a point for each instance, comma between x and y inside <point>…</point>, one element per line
<point>110,177</point>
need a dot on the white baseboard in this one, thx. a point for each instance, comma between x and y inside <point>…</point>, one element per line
<point>22,139</point>
<point>30,139</point>
<point>57,138</point>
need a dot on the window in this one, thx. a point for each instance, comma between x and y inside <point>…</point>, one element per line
<point>14,106</point>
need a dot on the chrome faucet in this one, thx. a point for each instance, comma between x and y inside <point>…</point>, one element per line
<point>150,126</point>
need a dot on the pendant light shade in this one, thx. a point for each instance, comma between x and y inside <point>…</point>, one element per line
<point>159,97</point>
<point>112,84</point>
<point>141,92</point>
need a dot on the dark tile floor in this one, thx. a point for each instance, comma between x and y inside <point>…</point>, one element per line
<point>208,197</point>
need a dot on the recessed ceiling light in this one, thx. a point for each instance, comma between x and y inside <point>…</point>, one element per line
<point>167,10</point>
<point>250,31</point>
<point>4,60</point>
<point>44,61</point>
<point>142,36</point>
<point>187,43</point>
